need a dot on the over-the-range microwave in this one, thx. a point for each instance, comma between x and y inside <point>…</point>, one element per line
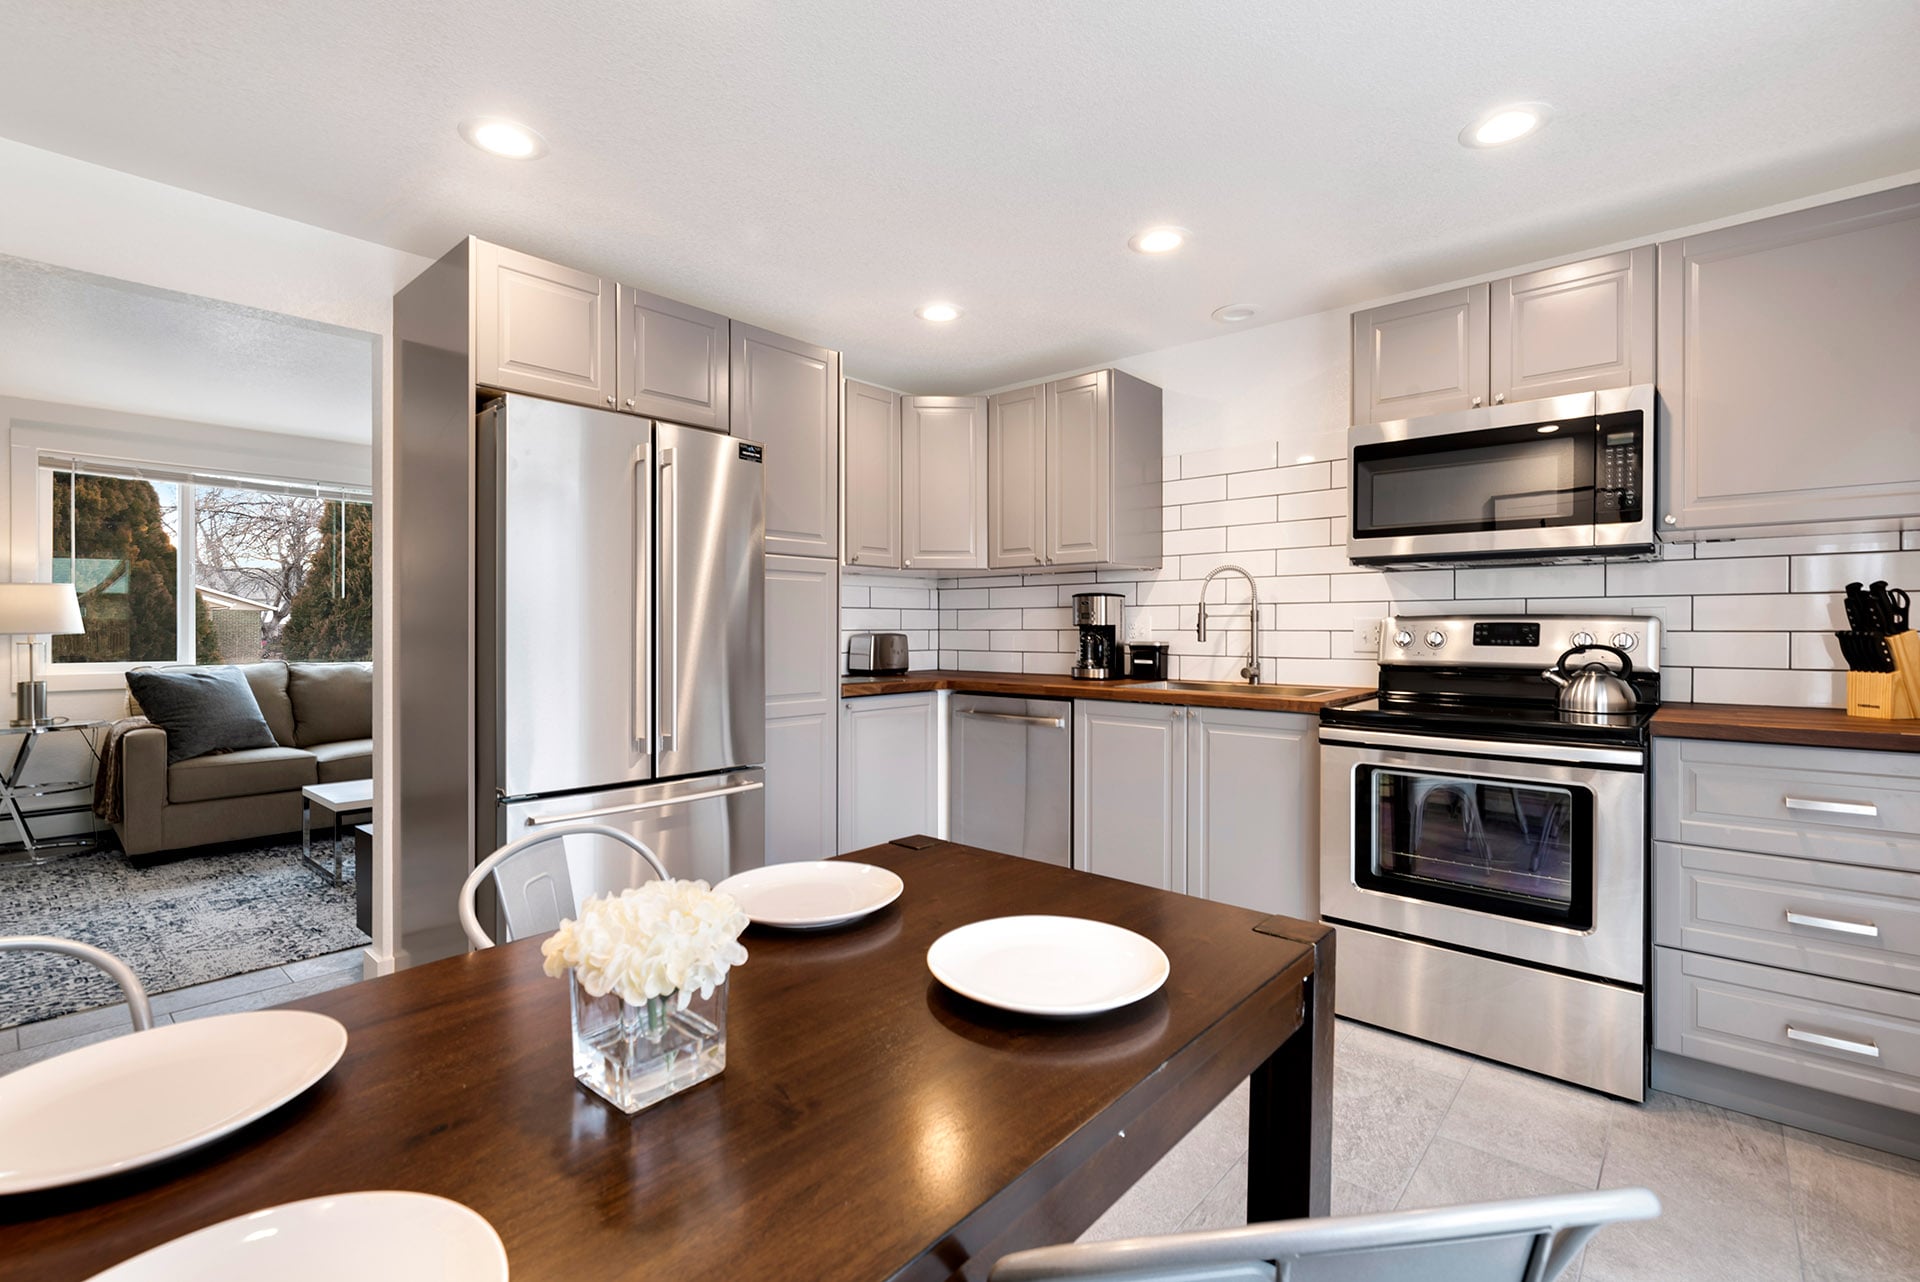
<point>1561,479</point>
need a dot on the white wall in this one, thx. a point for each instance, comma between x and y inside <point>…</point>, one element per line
<point>71,214</point>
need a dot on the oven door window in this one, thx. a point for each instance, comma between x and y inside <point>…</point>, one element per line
<point>1515,848</point>
<point>1507,478</point>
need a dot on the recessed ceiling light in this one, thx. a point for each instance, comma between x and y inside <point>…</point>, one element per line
<point>1506,124</point>
<point>938,313</point>
<point>503,138</point>
<point>1234,313</point>
<point>1159,240</point>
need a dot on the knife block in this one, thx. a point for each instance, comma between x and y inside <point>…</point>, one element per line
<point>1877,694</point>
<point>1906,664</point>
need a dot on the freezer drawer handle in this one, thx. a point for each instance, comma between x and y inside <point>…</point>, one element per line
<point>658,804</point>
<point>1833,1043</point>
<point>1865,809</point>
<point>1866,928</point>
<point>1058,723</point>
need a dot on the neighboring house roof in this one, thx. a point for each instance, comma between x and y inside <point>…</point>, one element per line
<point>228,601</point>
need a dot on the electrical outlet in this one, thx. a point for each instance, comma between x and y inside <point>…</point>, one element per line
<point>1366,637</point>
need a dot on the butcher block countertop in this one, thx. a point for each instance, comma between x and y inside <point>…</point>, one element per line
<point>1809,727</point>
<point>1031,685</point>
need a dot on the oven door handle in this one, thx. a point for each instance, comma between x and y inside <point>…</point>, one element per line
<point>1502,750</point>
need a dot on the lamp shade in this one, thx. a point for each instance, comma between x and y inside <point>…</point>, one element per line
<point>34,609</point>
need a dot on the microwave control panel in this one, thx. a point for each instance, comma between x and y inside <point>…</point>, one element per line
<point>1616,482</point>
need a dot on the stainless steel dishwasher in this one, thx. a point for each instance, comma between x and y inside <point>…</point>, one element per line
<point>1010,764</point>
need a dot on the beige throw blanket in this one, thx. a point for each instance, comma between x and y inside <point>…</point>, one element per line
<point>107,795</point>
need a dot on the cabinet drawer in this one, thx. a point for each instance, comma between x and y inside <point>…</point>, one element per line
<point>1851,1040</point>
<point>1822,803</point>
<point>1834,920</point>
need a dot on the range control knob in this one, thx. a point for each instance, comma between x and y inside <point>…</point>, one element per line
<point>1403,639</point>
<point>1583,638</point>
<point>1436,639</point>
<point>1625,640</point>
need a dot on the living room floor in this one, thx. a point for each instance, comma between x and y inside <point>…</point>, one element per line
<point>250,991</point>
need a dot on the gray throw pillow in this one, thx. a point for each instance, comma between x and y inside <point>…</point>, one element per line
<point>203,710</point>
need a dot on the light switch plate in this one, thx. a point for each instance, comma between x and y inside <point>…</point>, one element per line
<point>1366,637</point>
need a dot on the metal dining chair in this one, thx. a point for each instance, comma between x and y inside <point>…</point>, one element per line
<point>538,879</point>
<point>117,970</point>
<point>1530,1240</point>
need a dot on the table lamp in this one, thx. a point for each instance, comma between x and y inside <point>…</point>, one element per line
<point>32,610</point>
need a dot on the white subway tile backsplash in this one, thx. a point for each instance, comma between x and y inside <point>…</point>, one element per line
<point>1833,573</point>
<point>1402,586</point>
<point>1531,581</point>
<point>1308,505</point>
<point>1055,617</point>
<point>1296,587</point>
<point>1279,480</point>
<point>964,598</point>
<point>1254,562</point>
<point>1724,649</point>
<point>1194,516</point>
<point>1235,458</point>
<point>1817,650</point>
<point>1910,540</point>
<point>861,620</point>
<point>1674,612</point>
<point>913,598</point>
<point>1696,578</point>
<point>1792,688</point>
<point>1184,542</point>
<point>1009,618</point>
<point>1045,594</point>
<point>1799,612</point>
<point>1280,534</point>
<point>1206,489</point>
<point>1886,541</point>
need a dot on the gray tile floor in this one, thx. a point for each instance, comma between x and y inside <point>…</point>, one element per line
<point>1414,1125</point>
<point>30,1042</point>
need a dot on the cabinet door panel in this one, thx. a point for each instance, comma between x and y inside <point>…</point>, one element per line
<point>888,760</point>
<point>1788,385</point>
<point>1017,478</point>
<point>1579,327</point>
<point>803,703</point>
<point>943,469</point>
<point>673,360</point>
<point>1422,356</point>
<point>786,395</point>
<point>873,476</point>
<point>1252,797</point>
<point>1130,792</point>
<point>542,328</point>
<point>1079,469</point>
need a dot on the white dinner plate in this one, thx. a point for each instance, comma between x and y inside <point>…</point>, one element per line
<point>367,1237</point>
<point>812,894</point>
<point>131,1100</point>
<point>1048,965</point>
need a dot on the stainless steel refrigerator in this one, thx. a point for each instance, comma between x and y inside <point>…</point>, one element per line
<point>622,571</point>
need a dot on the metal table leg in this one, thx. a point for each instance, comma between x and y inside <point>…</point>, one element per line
<point>306,842</point>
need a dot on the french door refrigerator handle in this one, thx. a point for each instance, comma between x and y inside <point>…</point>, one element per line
<point>642,591</point>
<point>659,803</point>
<point>669,640</point>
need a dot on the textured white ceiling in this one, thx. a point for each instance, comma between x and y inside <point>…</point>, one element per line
<point>85,340</point>
<point>824,167</point>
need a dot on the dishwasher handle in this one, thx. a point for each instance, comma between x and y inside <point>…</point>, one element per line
<point>1057,723</point>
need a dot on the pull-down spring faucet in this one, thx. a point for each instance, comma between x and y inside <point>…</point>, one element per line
<point>1252,669</point>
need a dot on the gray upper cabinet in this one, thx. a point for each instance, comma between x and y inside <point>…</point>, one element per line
<point>542,328</point>
<point>873,477</point>
<point>803,708</point>
<point>785,394</point>
<point>943,482</point>
<point>1017,478</point>
<point>1253,786</point>
<point>1079,440</point>
<point>1789,390</point>
<point>673,360</point>
<point>1579,327</point>
<point>1421,356</point>
<point>1130,791</point>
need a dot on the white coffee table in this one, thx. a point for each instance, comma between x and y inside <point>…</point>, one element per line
<point>348,797</point>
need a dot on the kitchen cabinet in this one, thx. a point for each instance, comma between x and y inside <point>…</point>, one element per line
<point>1788,388</point>
<point>889,763</point>
<point>1017,479</point>
<point>1421,356</point>
<point>542,328</point>
<point>873,476</point>
<point>1130,791</point>
<point>1253,779</point>
<point>1579,327</point>
<point>943,490</point>
<point>785,394</point>
<point>1103,471</point>
<point>803,701</point>
<point>673,360</point>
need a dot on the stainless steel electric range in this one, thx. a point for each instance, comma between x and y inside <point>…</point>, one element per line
<point>1483,854</point>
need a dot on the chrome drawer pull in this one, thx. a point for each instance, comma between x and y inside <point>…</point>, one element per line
<point>1866,928</point>
<point>1058,723</point>
<point>1865,809</point>
<point>1833,1043</point>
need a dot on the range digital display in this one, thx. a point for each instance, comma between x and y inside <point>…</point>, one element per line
<point>1526,634</point>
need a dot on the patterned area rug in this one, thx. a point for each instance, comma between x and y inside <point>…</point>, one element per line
<point>205,916</point>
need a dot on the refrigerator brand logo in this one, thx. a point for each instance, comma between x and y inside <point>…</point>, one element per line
<point>751,453</point>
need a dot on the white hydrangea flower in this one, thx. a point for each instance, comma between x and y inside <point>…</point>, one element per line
<point>656,939</point>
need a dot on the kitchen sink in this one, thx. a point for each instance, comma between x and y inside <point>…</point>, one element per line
<point>1241,687</point>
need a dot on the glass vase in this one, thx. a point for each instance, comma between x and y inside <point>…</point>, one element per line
<point>633,1055</point>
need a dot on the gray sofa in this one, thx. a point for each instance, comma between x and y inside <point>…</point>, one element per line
<point>321,715</point>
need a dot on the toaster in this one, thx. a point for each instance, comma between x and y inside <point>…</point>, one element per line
<point>872,654</point>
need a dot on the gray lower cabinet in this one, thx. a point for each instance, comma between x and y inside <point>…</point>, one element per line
<point>1253,779</point>
<point>803,704</point>
<point>889,768</point>
<point>873,476</point>
<point>673,360</point>
<point>943,482</point>
<point>1421,356</point>
<point>1017,478</point>
<point>1130,791</point>
<point>542,328</point>
<point>1578,327</point>
<point>785,394</point>
<point>1787,379</point>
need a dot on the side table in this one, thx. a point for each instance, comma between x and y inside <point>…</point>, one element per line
<point>32,852</point>
<point>349,796</point>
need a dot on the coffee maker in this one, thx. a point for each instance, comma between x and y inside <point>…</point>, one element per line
<point>1097,615</point>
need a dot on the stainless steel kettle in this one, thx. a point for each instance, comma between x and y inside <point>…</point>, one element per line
<point>1596,688</point>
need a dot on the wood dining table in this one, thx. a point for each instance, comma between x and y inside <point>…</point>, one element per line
<point>870,1123</point>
